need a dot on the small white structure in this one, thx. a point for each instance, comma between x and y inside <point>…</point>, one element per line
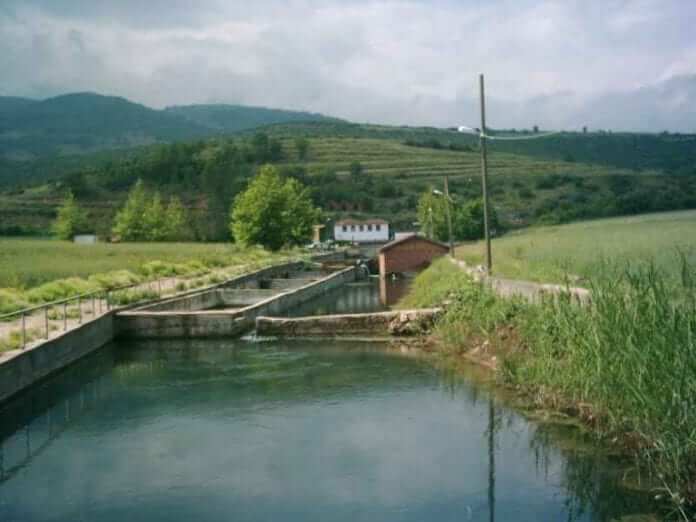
<point>368,231</point>
<point>403,235</point>
<point>85,239</point>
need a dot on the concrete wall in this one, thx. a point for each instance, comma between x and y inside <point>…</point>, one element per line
<point>20,369</point>
<point>409,256</point>
<point>145,323</point>
<point>287,284</point>
<point>527,290</point>
<point>382,324</point>
<point>240,297</point>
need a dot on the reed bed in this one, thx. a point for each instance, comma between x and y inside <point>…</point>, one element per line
<point>625,363</point>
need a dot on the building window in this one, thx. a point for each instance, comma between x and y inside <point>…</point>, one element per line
<point>352,228</point>
<point>369,228</point>
<point>362,228</point>
<point>378,227</point>
<point>345,228</point>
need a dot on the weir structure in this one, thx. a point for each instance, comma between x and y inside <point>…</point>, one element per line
<point>226,309</point>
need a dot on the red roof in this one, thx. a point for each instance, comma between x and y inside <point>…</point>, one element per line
<point>412,237</point>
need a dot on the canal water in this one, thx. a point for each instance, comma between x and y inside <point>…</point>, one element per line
<point>372,295</point>
<point>288,431</point>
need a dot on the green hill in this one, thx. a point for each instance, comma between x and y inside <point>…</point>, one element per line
<point>47,138</point>
<point>398,164</point>
<point>235,118</point>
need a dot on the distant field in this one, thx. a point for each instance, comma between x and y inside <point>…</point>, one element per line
<point>25,263</point>
<point>551,253</point>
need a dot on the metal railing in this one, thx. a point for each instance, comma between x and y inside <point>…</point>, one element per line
<point>100,299</point>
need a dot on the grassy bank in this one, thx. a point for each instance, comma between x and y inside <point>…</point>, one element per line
<point>39,271</point>
<point>25,263</point>
<point>626,363</point>
<point>550,254</point>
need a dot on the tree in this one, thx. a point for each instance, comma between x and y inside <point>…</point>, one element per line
<point>302,147</point>
<point>356,170</point>
<point>432,215</point>
<point>259,145</point>
<point>154,220</point>
<point>71,219</point>
<point>129,223</point>
<point>272,212</point>
<point>467,218</point>
<point>275,150</point>
<point>175,223</point>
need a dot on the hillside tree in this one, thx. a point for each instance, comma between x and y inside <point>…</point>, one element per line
<point>272,211</point>
<point>302,147</point>
<point>130,223</point>
<point>71,219</point>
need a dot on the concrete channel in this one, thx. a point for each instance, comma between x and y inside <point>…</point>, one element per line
<point>227,309</point>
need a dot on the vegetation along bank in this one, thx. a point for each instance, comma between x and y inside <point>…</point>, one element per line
<point>625,364</point>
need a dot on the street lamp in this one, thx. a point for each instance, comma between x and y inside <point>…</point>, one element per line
<point>448,200</point>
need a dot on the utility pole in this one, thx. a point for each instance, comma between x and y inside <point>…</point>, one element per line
<point>449,217</point>
<point>484,177</point>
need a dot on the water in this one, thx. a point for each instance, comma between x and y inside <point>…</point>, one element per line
<point>231,430</point>
<point>373,295</point>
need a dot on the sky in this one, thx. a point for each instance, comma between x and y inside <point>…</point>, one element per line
<point>619,64</point>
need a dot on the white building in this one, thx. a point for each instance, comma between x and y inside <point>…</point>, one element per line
<point>368,231</point>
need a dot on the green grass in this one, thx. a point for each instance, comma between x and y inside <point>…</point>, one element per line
<point>579,250</point>
<point>626,362</point>
<point>40,271</point>
<point>26,263</point>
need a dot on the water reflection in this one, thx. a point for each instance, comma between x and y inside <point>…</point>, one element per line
<point>391,290</point>
<point>287,431</point>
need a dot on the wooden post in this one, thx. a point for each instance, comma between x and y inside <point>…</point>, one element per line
<point>449,217</point>
<point>484,177</point>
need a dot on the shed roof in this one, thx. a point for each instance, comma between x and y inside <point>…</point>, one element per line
<point>412,237</point>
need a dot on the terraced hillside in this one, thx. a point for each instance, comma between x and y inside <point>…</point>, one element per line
<point>524,189</point>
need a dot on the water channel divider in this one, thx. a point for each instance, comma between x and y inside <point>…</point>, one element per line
<point>21,368</point>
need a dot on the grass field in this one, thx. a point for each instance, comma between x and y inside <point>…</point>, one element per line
<point>550,254</point>
<point>26,263</point>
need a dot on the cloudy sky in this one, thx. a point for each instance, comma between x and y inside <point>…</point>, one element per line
<point>622,64</point>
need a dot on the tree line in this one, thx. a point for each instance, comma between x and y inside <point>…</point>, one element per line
<point>273,211</point>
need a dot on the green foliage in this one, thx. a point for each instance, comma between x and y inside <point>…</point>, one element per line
<point>144,218</point>
<point>576,251</point>
<point>628,355</point>
<point>71,219</point>
<point>130,223</point>
<point>273,212</point>
<point>467,218</point>
<point>356,170</point>
<point>302,147</point>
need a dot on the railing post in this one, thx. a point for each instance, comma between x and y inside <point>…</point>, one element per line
<point>65,315</point>
<point>24,330</point>
<point>159,288</point>
<point>108,301</point>
<point>79,310</point>
<point>46,320</point>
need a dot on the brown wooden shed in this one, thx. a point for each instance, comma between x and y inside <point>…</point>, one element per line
<point>409,254</point>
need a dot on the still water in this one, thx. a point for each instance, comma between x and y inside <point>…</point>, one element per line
<point>287,431</point>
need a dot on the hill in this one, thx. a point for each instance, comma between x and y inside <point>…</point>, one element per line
<point>65,128</point>
<point>235,118</point>
<point>578,250</point>
<point>396,167</point>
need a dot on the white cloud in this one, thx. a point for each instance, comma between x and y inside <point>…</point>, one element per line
<point>397,61</point>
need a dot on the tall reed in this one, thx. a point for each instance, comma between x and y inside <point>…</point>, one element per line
<point>628,357</point>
